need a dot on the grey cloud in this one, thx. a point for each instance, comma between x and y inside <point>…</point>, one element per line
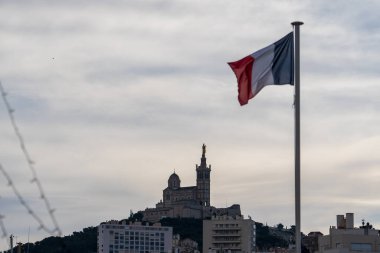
<point>140,85</point>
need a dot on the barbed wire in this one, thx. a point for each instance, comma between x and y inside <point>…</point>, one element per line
<point>4,230</point>
<point>35,179</point>
<point>2,226</point>
<point>23,202</point>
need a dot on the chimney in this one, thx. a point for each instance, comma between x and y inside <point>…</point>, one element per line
<point>349,220</point>
<point>340,221</point>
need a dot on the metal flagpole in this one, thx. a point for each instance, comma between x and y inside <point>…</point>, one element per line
<point>297,139</point>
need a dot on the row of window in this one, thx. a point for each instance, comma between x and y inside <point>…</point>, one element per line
<point>140,250</point>
<point>226,225</point>
<point>138,242</point>
<point>136,238</point>
<point>226,245</point>
<point>127,227</point>
<point>147,245</point>
<point>226,232</point>
<point>142,234</point>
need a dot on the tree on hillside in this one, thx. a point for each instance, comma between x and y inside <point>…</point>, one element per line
<point>79,242</point>
<point>265,241</point>
<point>186,227</point>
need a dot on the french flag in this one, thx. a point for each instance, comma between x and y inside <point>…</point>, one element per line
<point>270,65</point>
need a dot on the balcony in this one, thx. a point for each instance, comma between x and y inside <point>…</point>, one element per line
<point>226,247</point>
<point>226,228</point>
<point>237,234</point>
<point>226,240</point>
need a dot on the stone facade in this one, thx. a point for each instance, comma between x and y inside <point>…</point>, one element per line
<point>191,201</point>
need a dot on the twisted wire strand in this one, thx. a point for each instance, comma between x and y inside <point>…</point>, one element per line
<point>30,163</point>
<point>3,229</point>
<point>23,202</point>
<point>2,226</point>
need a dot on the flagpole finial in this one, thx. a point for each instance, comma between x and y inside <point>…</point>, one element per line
<point>297,23</point>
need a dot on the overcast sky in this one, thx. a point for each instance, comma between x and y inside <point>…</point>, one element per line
<point>112,96</point>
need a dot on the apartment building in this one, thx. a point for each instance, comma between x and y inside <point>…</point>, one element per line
<point>229,234</point>
<point>114,237</point>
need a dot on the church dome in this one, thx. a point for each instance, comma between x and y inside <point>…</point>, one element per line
<point>174,182</point>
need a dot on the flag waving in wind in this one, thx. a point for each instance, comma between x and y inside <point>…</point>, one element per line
<point>270,65</point>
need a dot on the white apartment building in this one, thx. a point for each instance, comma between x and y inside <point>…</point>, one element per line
<point>134,238</point>
<point>345,238</point>
<point>226,234</point>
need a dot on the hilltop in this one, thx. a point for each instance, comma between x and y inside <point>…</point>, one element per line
<point>85,241</point>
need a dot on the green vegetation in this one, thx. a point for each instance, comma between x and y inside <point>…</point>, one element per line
<point>265,240</point>
<point>186,227</point>
<point>78,242</point>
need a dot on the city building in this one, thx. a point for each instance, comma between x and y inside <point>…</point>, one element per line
<point>311,241</point>
<point>229,234</point>
<point>189,201</point>
<point>346,238</point>
<point>114,237</point>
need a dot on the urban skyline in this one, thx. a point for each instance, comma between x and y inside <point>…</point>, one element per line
<point>112,97</point>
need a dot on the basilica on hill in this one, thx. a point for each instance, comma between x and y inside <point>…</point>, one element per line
<point>189,201</point>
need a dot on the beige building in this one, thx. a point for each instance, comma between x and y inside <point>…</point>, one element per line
<point>345,238</point>
<point>229,234</point>
<point>190,201</point>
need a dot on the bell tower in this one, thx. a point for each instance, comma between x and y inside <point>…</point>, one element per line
<point>203,180</point>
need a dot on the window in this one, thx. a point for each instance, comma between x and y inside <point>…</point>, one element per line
<point>361,247</point>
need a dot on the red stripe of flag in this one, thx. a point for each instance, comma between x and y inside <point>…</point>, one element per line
<point>243,71</point>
